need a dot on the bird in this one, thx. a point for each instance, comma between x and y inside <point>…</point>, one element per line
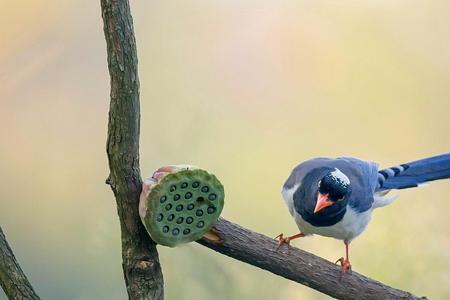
<point>335,197</point>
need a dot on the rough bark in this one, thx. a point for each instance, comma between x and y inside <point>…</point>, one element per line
<point>297,265</point>
<point>141,267</point>
<point>12,279</point>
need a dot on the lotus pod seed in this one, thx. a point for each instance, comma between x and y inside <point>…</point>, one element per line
<point>180,220</point>
<point>200,224</point>
<point>211,210</point>
<point>199,213</point>
<point>162,199</point>
<point>188,195</point>
<point>173,188</point>
<point>175,231</point>
<point>205,189</point>
<point>179,207</point>
<point>169,206</point>
<point>184,185</point>
<point>166,229</point>
<point>186,231</point>
<point>160,217</point>
<point>176,197</point>
<point>196,184</point>
<point>190,206</point>
<point>212,196</point>
<point>170,217</point>
<point>189,220</point>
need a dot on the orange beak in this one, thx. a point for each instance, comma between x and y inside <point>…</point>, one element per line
<point>322,202</point>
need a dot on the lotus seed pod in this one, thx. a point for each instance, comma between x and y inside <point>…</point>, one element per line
<point>179,204</point>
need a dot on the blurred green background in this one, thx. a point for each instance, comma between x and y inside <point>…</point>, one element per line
<point>245,89</point>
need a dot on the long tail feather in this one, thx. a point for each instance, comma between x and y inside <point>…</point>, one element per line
<point>414,173</point>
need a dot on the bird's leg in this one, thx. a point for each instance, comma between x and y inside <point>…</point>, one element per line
<point>345,263</point>
<point>287,240</point>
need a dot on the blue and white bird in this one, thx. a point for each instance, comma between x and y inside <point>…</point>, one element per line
<point>336,197</point>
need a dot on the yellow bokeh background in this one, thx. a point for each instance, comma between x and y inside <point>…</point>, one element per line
<point>245,89</point>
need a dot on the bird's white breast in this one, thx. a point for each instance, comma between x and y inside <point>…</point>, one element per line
<point>352,224</point>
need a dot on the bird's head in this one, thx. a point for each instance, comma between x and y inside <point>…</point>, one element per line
<point>332,188</point>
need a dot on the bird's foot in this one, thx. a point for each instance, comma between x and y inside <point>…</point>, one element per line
<point>346,267</point>
<point>282,240</point>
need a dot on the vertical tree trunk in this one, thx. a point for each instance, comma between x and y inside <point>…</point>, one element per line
<point>142,270</point>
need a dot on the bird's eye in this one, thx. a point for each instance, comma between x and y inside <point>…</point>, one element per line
<point>337,196</point>
<point>336,199</point>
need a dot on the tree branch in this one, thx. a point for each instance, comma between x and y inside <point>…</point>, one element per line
<point>142,270</point>
<point>297,265</point>
<point>12,279</point>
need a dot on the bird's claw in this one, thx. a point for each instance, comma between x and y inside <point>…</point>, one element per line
<point>346,267</point>
<point>282,241</point>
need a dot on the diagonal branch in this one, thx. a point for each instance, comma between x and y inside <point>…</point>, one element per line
<point>142,270</point>
<point>297,265</point>
<point>12,279</point>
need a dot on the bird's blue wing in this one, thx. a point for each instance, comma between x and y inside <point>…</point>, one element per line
<point>363,177</point>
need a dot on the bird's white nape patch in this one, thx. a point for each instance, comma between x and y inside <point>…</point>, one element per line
<point>340,177</point>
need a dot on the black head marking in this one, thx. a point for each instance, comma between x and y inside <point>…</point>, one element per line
<point>336,184</point>
<point>305,199</point>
